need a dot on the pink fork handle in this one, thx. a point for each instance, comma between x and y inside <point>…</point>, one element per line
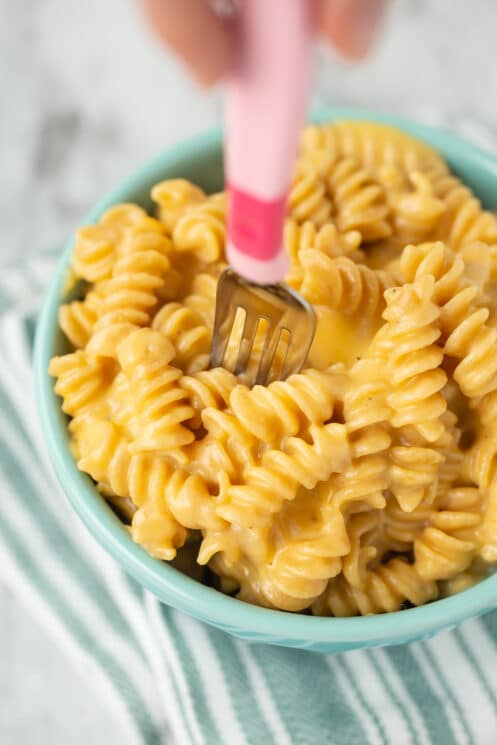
<point>266,101</point>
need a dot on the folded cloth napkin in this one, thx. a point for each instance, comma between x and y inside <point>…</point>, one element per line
<point>171,679</point>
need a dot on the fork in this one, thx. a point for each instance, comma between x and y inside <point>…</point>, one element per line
<point>266,101</point>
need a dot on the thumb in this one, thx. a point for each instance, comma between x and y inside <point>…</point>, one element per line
<point>202,38</point>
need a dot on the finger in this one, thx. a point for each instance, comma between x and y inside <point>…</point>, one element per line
<point>351,25</point>
<point>202,38</point>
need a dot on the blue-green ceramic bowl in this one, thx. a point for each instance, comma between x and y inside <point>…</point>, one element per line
<point>200,159</point>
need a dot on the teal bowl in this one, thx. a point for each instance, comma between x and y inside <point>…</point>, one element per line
<point>200,159</point>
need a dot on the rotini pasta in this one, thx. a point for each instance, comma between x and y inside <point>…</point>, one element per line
<point>360,202</point>
<point>82,380</point>
<point>188,333</point>
<point>308,200</point>
<point>285,407</point>
<point>201,229</point>
<point>173,197</point>
<point>78,318</point>
<point>467,335</point>
<point>416,214</point>
<point>96,246</point>
<point>464,221</point>
<point>300,570</point>
<point>160,402</point>
<point>281,472</point>
<point>366,483</point>
<point>448,544</point>
<point>342,284</point>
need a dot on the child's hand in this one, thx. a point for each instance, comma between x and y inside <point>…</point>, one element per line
<point>204,39</point>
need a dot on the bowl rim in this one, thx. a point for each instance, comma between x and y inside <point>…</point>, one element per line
<point>170,585</point>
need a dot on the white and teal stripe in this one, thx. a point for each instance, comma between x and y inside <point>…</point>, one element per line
<point>169,679</point>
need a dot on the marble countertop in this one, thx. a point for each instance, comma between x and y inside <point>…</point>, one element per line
<point>87,96</point>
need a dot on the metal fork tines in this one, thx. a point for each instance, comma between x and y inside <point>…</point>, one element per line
<point>261,332</point>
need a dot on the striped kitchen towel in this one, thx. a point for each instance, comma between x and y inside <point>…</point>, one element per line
<point>170,679</point>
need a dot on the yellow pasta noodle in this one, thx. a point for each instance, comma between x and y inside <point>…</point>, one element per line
<point>448,544</point>
<point>173,197</point>
<point>96,246</point>
<point>78,318</point>
<point>360,202</point>
<point>415,400</point>
<point>300,569</point>
<point>388,587</point>
<point>298,463</point>
<point>82,380</point>
<point>188,333</point>
<point>342,284</point>
<point>201,229</point>
<point>308,200</point>
<point>464,220</point>
<point>285,407</point>
<point>160,402</point>
<point>468,337</point>
<point>416,211</point>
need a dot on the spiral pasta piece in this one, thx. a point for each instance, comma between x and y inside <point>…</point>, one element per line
<point>308,200</point>
<point>360,201</point>
<point>281,472</point>
<point>214,460</point>
<point>366,413</point>
<point>201,229</point>
<point>140,478</point>
<point>96,246</point>
<point>191,503</point>
<point>365,402</point>
<point>132,293</point>
<point>160,402</point>
<point>464,221</point>
<point>416,401</point>
<point>123,217</point>
<point>448,544</point>
<point>208,388</point>
<point>77,319</point>
<point>202,297</point>
<point>388,587</point>
<point>467,335</point>
<point>362,485</point>
<point>188,333</point>
<point>82,380</point>
<point>301,568</point>
<point>298,237</point>
<point>173,197</point>
<point>416,213</point>
<point>414,359</point>
<point>342,284</point>
<point>153,524</point>
<point>104,454</point>
<point>285,407</point>
<point>223,426</point>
